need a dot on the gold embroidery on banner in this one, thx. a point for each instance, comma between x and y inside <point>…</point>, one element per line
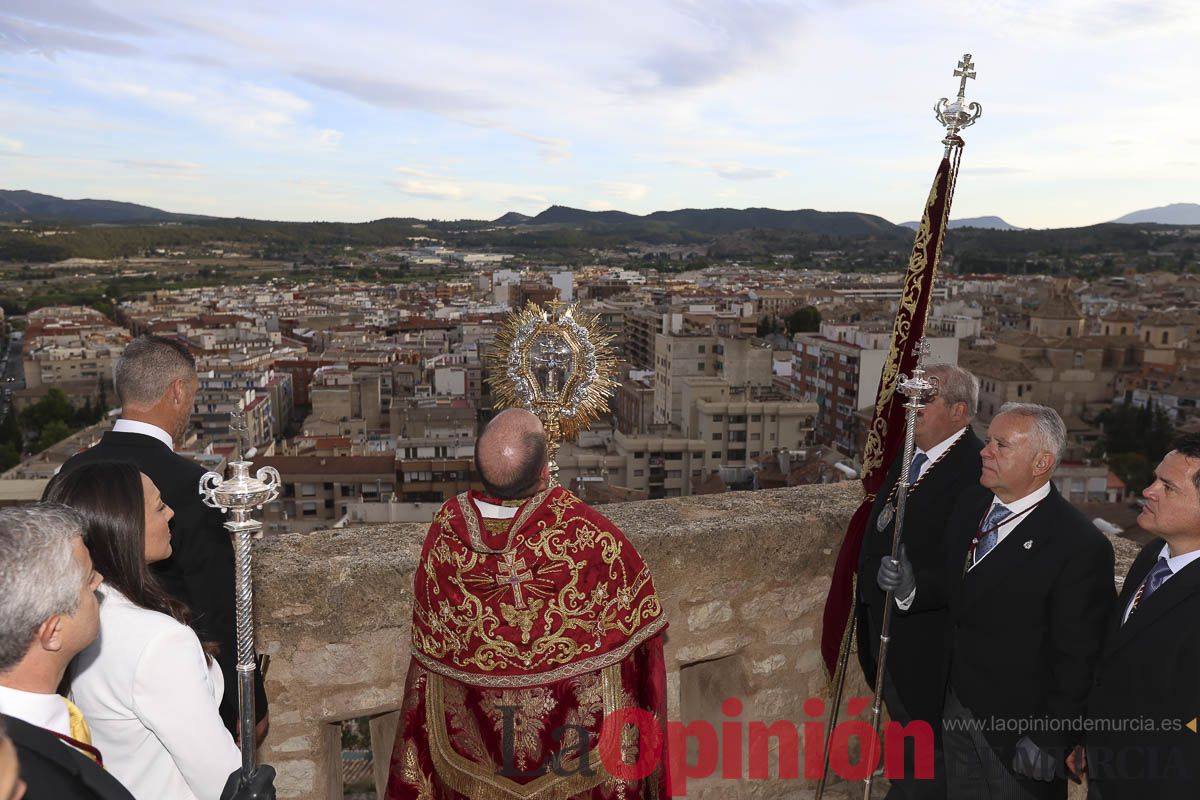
<point>481,781</point>
<point>909,300</point>
<point>571,623</point>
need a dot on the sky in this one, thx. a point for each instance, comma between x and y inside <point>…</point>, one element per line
<point>354,110</point>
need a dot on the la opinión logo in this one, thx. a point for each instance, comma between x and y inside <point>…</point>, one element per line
<point>854,747</point>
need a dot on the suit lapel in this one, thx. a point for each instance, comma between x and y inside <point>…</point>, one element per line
<point>962,527</point>
<point>1137,573</point>
<point>1177,589</point>
<point>1022,544</point>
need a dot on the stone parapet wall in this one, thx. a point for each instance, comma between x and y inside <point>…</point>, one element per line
<point>742,577</point>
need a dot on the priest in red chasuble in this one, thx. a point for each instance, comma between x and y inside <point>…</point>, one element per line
<point>534,621</point>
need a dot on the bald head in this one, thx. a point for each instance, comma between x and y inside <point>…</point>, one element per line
<point>510,455</point>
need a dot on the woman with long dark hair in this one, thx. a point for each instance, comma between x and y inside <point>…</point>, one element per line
<point>146,688</point>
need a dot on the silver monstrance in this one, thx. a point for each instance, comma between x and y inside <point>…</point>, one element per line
<point>237,497</point>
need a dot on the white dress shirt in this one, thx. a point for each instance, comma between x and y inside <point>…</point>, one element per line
<point>1176,563</point>
<point>1015,518</point>
<point>144,428</point>
<point>151,702</point>
<point>932,455</point>
<point>42,710</point>
<point>935,452</point>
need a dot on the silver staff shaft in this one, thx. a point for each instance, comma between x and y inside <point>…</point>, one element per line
<point>913,405</point>
<point>245,643</point>
<point>237,497</point>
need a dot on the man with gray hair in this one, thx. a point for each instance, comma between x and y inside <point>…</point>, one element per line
<point>1029,584</point>
<point>946,462</point>
<point>49,612</point>
<point>156,381</point>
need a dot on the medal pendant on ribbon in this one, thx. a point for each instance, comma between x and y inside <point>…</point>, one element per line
<point>885,517</point>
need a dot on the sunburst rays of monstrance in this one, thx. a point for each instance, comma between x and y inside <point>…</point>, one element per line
<point>558,363</point>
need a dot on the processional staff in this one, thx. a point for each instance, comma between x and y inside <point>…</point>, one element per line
<point>954,116</point>
<point>236,497</point>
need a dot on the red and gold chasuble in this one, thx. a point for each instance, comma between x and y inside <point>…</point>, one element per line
<point>527,634</point>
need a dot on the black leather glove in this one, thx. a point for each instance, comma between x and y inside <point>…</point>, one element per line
<point>261,785</point>
<point>896,575</point>
<point>1033,762</point>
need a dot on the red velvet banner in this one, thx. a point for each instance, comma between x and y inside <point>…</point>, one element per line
<point>886,435</point>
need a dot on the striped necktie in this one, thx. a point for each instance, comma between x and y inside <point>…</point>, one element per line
<point>914,469</point>
<point>1157,577</point>
<point>991,528</point>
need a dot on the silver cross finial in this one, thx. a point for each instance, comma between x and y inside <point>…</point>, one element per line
<point>958,114</point>
<point>237,426</point>
<point>966,69</point>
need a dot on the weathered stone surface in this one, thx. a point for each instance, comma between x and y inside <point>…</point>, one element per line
<point>706,615</point>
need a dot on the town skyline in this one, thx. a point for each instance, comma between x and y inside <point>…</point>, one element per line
<point>464,111</point>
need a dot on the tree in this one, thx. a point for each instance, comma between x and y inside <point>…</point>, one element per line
<point>766,325</point>
<point>804,320</point>
<point>52,434</point>
<point>1135,440</point>
<point>10,456</point>
<point>10,432</point>
<point>1133,468</point>
<point>53,407</point>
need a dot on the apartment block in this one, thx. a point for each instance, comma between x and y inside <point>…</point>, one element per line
<point>317,489</point>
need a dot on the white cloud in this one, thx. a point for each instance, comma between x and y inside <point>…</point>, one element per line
<point>734,171</point>
<point>624,190</point>
<point>11,145</point>
<point>176,170</point>
<point>432,190</point>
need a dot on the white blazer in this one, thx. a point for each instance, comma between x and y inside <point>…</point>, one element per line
<point>151,702</point>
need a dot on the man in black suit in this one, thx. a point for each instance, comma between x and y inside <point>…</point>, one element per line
<point>1029,588</point>
<point>156,382</point>
<point>1147,682</point>
<point>945,463</point>
<point>49,769</point>
<point>49,612</point>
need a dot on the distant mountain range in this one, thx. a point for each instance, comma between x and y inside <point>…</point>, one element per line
<point>1174,214</point>
<point>718,220</point>
<point>988,223</point>
<point>18,205</point>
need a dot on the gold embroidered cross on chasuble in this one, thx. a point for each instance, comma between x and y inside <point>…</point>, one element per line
<point>528,633</point>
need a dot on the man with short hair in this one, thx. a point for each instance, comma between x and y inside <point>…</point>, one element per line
<point>946,462</point>
<point>49,612</point>
<point>156,382</point>
<point>1148,667</point>
<point>534,619</point>
<point>1029,587</point>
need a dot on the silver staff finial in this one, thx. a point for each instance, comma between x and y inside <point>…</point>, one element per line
<point>958,114</point>
<point>237,427</point>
